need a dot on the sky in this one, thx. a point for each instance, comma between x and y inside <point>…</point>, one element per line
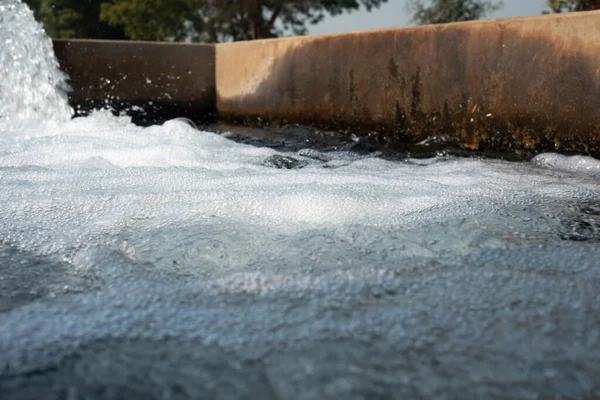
<point>394,14</point>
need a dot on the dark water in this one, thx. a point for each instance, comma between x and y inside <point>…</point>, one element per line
<point>523,324</point>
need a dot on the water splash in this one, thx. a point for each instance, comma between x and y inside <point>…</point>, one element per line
<point>32,88</point>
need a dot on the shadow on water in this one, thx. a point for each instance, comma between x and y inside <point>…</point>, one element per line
<point>26,277</point>
<point>143,369</point>
<point>294,138</point>
<point>146,369</point>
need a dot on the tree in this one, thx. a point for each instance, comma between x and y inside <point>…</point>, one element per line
<point>152,19</point>
<point>559,6</point>
<point>190,20</point>
<point>443,11</point>
<point>73,18</point>
<point>221,20</point>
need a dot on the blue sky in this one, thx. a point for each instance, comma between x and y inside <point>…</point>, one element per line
<point>394,14</point>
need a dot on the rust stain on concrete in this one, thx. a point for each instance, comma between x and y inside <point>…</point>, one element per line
<point>520,83</point>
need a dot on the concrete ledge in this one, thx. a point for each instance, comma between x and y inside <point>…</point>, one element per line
<point>529,83</point>
<point>176,78</point>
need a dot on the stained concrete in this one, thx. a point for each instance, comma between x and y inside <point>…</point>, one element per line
<point>515,83</point>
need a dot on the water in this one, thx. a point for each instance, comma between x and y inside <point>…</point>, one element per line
<point>32,88</point>
<point>166,262</point>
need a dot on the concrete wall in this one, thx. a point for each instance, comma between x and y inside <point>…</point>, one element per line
<point>501,84</point>
<point>532,82</point>
<point>178,79</point>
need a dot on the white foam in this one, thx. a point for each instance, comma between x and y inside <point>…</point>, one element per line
<point>579,164</point>
<point>94,176</point>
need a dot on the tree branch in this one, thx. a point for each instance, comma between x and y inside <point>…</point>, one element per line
<point>274,15</point>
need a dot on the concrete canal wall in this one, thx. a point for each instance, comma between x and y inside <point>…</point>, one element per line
<point>513,83</point>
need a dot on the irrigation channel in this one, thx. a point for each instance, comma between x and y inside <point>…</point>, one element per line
<point>167,262</point>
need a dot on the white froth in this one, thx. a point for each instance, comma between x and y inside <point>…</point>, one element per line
<point>579,164</point>
<point>98,176</point>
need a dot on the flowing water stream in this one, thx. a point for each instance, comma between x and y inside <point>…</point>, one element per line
<point>167,262</point>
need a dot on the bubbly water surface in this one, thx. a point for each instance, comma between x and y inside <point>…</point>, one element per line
<point>166,262</point>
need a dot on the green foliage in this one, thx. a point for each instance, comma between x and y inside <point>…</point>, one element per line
<point>559,6</point>
<point>191,20</point>
<point>443,11</point>
<point>296,14</point>
<point>73,18</point>
<point>222,20</point>
<point>150,19</point>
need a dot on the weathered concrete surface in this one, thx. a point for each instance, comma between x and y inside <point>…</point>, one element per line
<point>503,84</point>
<point>176,78</point>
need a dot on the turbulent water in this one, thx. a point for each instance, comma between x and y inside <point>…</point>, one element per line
<point>166,262</point>
<point>32,88</point>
